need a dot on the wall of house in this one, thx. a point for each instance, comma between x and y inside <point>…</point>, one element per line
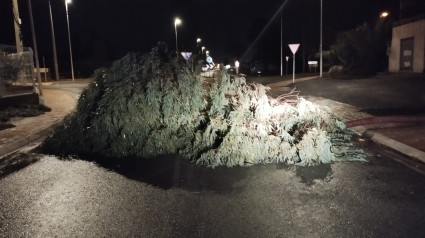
<point>415,29</point>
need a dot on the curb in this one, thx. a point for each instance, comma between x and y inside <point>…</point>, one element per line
<point>9,148</point>
<point>391,144</point>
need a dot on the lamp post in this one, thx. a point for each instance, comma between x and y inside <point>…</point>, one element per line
<point>202,51</point>
<point>55,56</point>
<point>198,41</point>
<point>69,39</point>
<point>177,21</point>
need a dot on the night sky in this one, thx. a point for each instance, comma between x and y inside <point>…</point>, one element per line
<point>103,31</point>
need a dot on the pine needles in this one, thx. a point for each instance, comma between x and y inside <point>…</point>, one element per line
<point>151,105</point>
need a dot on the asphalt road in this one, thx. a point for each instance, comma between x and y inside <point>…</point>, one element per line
<point>383,94</point>
<point>164,198</point>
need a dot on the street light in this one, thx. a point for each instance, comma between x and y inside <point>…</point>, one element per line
<point>177,21</point>
<point>198,41</point>
<point>69,39</point>
<point>203,48</point>
<point>384,14</point>
<point>287,59</point>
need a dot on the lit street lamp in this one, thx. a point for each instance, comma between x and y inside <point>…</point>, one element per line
<point>287,59</point>
<point>198,41</point>
<point>202,52</point>
<point>177,21</point>
<point>384,14</point>
<point>69,39</point>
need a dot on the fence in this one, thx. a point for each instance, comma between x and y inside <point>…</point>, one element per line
<point>16,71</point>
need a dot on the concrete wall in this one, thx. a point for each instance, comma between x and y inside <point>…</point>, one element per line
<point>17,100</point>
<point>403,30</point>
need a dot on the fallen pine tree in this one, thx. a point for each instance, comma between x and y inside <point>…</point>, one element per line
<point>145,106</point>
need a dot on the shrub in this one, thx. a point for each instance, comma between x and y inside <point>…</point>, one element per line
<point>361,51</point>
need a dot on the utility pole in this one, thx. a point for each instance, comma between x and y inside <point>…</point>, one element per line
<point>321,38</point>
<point>69,39</point>
<point>55,56</point>
<point>281,46</point>
<point>17,23</point>
<point>37,63</point>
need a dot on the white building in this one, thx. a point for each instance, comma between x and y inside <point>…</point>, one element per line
<point>408,46</point>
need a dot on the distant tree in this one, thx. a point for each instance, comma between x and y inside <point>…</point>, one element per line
<point>362,51</point>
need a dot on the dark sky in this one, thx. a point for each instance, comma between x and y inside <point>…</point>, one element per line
<point>103,30</point>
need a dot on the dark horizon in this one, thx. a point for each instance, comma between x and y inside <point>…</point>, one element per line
<point>102,32</point>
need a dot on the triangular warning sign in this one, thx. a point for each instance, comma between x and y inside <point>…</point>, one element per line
<point>186,55</point>
<point>294,48</point>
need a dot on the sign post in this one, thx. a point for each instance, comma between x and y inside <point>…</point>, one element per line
<point>294,48</point>
<point>186,56</point>
<point>210,62</point>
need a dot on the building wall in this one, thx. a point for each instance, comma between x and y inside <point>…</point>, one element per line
<point>415,29</point>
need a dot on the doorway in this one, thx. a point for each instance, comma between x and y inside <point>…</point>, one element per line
<point>406,54</point>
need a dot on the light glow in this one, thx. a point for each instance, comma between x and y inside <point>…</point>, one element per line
<point>384,14</point>
<point>177,21</point>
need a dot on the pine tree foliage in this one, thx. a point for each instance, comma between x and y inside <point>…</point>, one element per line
<point>151,105</point>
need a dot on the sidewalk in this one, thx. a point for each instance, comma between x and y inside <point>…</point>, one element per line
<point>30,129</point>
<point>406,139</point>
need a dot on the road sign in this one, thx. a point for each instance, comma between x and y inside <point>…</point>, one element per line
<point>294,48</point>
<point>209,59</point>
<point>186,55</point>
